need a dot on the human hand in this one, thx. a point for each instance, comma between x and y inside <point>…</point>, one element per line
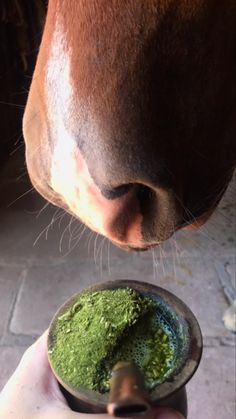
<point>32,392</point>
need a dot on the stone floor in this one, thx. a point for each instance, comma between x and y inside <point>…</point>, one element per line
<point>46,255</point>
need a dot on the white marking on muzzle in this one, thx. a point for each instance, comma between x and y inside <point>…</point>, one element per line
<point>59,100</point>
<point>70,177</point>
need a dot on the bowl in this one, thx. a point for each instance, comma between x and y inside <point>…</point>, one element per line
<point>175,315</point>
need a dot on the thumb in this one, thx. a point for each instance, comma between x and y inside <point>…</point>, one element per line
<point>167,413</point>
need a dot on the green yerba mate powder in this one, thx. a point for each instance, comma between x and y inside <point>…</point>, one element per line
<point>105,327</point>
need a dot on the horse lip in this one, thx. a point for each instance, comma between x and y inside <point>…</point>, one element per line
<point>135,248</point>
<point>196,222</point>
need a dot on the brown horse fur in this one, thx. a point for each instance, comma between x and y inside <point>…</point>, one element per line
<point>157,82</point>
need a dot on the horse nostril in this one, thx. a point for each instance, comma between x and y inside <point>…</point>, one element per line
<point>143,192</point>
<point>117,192</point>
<point>146,197</point>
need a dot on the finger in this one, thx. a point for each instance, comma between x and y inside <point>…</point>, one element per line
<point>35,367</point>
<point>156,413</point>
<point>59,414</point>
<point>34,354</point>
<point>37,349</point>
<point>62,414</point>
<point>166,413</point>
<point>33,379</point>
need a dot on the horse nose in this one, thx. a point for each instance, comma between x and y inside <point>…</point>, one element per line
<point>131,210</point>
<point>142,215</point>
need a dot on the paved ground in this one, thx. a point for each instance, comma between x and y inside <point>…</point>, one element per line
<point>45,256</point>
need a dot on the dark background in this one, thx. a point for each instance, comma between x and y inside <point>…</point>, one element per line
<point>21,25</point>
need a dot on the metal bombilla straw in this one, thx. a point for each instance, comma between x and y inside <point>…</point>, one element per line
<point>128,396</point>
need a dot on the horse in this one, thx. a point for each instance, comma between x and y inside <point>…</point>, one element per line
<point>130,119</point>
